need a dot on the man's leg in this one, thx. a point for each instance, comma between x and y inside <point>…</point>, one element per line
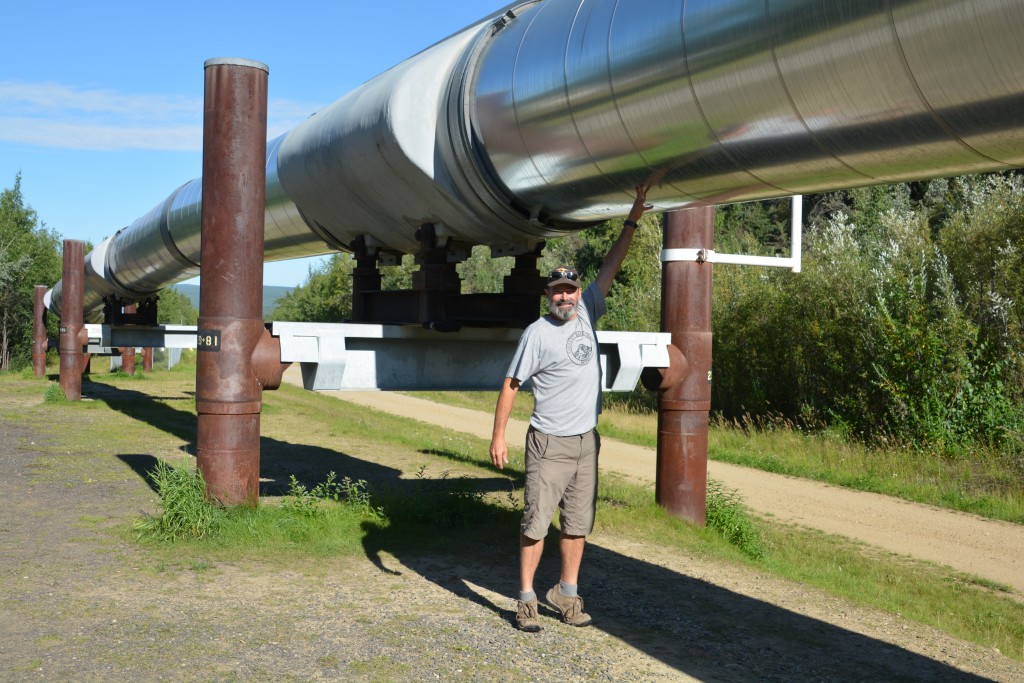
<point>577,521</point>
<point>530,551</point>
<point>563,594</point>
<point>571,548</point>
<point>578,505</point>
<point>527,618</point>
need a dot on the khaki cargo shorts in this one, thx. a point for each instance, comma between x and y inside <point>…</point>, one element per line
<point>561,472</point>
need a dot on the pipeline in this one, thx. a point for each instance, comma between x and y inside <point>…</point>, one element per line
<point>539,119</point>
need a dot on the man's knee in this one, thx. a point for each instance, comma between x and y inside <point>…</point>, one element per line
<point>526,541</point>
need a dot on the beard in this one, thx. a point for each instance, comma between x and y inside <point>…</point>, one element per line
<point>564,311</point>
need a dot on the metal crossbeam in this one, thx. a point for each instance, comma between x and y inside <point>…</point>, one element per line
<point>350,356</point>
<point>401,357</point>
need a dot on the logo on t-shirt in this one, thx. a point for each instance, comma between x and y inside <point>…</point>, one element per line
<point>580,347</point>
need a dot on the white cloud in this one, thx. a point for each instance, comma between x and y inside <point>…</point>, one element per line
<point>82,134</point>
<point>70,117</point>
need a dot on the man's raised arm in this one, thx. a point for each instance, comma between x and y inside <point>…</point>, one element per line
<point>617,254</point>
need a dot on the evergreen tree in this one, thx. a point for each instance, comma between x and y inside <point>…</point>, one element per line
<point>29,255</point>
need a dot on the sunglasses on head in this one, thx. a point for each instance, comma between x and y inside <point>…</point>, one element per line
<point>566,273</point>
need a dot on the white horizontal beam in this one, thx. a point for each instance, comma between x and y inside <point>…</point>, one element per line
<point>350,356</point>
<point>104,338</point>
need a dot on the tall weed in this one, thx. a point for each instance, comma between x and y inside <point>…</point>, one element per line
<point>727,515</point>
<point>54,393</point>
<point>306,502</point>
<point>184,510</point>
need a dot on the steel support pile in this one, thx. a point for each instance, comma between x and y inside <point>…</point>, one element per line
<point>685,405</point>
<point>39,340</point>
<point>128,352</point>
<point>228,393</point>
<point>72,321</point>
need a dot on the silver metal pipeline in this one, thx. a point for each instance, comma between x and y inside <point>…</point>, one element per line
<point>731,100</point>
<point>541,118</point>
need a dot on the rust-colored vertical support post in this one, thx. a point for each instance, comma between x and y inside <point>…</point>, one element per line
<point>147,359</point>
<point>228,394</point>
<point>39,341</point>
<point>128,360</point>
<point>72,319</point>
<point>128,352</point>
<point>684,409</point>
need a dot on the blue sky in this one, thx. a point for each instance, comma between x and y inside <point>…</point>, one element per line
<point>101,103</point>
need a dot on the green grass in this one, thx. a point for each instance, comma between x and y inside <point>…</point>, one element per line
<point>954,603</point>
<point>184,511</point>
<point>322,521</point>
<point>430,482</point>
<point>984,484</point>
<point>379,669</point>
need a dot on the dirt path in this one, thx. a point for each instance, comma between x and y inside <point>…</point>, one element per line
<point>79,601</point>
<point>990,549</point>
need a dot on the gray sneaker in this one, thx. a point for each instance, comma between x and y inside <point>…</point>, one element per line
<point>571,607</point>
<point>526,616</point>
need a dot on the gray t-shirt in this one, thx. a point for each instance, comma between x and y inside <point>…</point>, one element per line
<point>561,362</point>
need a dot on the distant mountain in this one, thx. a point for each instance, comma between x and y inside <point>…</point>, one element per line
<point>270,296</point>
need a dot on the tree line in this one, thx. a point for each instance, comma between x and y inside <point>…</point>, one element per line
<point>904,326</point>
<point>31,253</point>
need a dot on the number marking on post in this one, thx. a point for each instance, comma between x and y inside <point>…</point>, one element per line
<point>208,340</point>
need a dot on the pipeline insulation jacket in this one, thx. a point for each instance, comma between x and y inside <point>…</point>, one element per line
<point>539,120</point>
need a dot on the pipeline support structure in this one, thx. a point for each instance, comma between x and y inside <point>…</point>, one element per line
<point>536,121</point>
<point>228,393</point>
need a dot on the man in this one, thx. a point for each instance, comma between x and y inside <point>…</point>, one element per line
<point>558,354</point>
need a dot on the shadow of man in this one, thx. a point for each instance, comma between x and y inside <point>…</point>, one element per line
<point>460,539</point>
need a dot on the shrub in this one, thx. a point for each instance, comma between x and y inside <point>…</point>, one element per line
<point>54,393</point>
<point>354,494</point>
<point>888,333</point>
